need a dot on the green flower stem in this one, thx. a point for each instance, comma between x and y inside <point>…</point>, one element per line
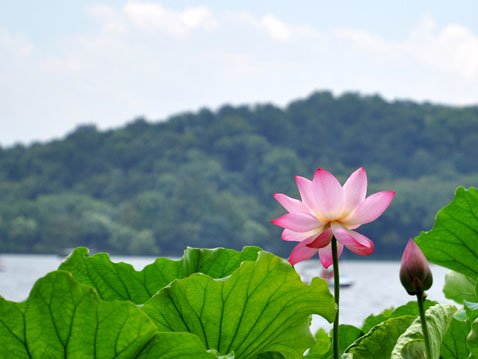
<point>423,321</point>
<point>335,259</point>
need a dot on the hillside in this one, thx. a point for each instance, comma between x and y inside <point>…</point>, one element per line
<point>207,178</point>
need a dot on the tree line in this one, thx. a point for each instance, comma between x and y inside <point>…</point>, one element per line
<point>207,178</point>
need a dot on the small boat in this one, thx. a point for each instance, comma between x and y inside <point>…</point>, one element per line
<point>328,276</point>
<point>344,282</point>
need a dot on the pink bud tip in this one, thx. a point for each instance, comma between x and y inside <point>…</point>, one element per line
<point>415,273</point>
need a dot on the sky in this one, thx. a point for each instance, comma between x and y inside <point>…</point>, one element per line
<point>66,63</point>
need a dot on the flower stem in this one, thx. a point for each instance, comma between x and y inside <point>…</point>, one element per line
<point>423,321</point>
<point>335,259</point>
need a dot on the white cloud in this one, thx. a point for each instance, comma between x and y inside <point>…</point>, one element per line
<point>108,18</point>
<point>453,49</point>
<point>15,44</point>
<point>147,59</point>
<point>154,16</point>
<point>282,31</point>
<point>277,29</point>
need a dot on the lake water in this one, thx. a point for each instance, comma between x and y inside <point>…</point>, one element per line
<point>376,285</point>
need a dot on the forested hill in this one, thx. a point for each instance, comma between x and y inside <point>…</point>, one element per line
<point>207,179</point>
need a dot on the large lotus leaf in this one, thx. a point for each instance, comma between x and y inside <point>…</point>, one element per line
<point>122,282</point>
<point>454,343</point>
<point>62,318</point>
<point>453,240</point>
<point>459,287</point>
<point>411,308</point>
<point>379,342</point>
<point>323,347</point>
<point>270,355</point>
<point>411,343</point>
<point>168,345</point>
<point>262,307</point>
<point>471,310</point>
<point>374,319</point>
<point>472,340</point>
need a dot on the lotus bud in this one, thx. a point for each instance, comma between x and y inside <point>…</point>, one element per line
<point>415,273</point>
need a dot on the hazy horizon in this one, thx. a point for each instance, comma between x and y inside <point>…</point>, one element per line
<point>61,136</point>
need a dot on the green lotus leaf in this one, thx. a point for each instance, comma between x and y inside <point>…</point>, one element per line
<point>62,318</point>
<point>379,342</point>
<point>374,319</point>
<point>460,315</point>
<point>471,310</point>
<point>472,340</point>
<point>122,282</point>
<point>459,287</point>
<point>411,343</point>
<point>454,343</point>
<point>411,308</point>
<point>168,345</point>
<point>323,347</point>
<point>453,240</point>
<point>263,306</point>
<point>270,355</point>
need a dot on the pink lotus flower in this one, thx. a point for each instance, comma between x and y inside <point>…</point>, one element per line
<point>415,273</point>
<point>327,209</point>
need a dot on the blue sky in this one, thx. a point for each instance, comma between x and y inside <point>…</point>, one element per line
<point>63,63</point>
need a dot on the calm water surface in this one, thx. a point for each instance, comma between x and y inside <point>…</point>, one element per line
<point>376,284</point>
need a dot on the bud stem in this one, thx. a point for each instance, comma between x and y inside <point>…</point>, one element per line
<point>335,259</point>
<point>423,321</point>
